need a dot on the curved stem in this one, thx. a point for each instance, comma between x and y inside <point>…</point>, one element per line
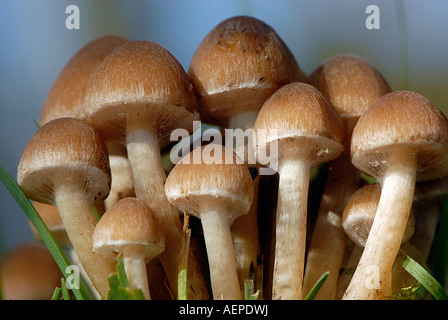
<point>135,268</point>
<point>386,234</point>
<point>77,215</point>
<point>149,185</point>
<point>221,258</point>
<point>290,234</point>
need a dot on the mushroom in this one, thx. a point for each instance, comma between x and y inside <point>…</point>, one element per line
<point>217,189</point>
<point>237,66</point>
<point>357,220</point>
<point>299,128</point>
<point>66,99</point>
<point>402,138</point>
<point>66,164</point>
<point>129,229</point>
<point>352,85</point>
<point>138,95</point>
<point>29,272</point>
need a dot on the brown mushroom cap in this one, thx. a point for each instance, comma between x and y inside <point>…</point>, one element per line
<point>350,83</point>
<point>406,120</point>
<point>144,79</point>
<point>359,213</point>
<point>238,65</point>
<point>227,181</point>
<point>66,97</point>
<point>69,148</point>
<point>301,120</point>
<point>52,219</point>
<point>128,227</point>
<point>29,272</point>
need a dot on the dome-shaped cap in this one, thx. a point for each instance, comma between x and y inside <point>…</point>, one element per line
<point>210,173</point>
<point>66,96</point>
<point>350,83</point>
<point>359,214</point>
<point>29,272</point>
<point>64,148</point>
<point>238,65</point>
<point>128,228</point>
<point>397,121</point>
<point>144,79</point>
<point>301,120</point>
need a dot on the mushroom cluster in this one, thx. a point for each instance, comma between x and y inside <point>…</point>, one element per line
<point>249,201</point>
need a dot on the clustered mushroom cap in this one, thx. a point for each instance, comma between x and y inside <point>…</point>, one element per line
<point>68,148</point>
<point>29,272</point>
<point>350,83</point>
<point>301,120</point>
<point>401,120</point>
<point>226,181</point>
<point>128,227</point>
<point>359,213</point>
<point>66,96</point>
<point>144,79</point>
<point>237,66</point>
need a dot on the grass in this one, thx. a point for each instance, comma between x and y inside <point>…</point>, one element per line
<point>434,284</point>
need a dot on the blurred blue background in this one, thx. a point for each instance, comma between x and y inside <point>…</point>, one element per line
<point>410,49</point>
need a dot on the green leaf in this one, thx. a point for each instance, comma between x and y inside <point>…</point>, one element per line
<point>41,228</point>
<point>119,285</point>
<point>315,289</point>
<point>422,276</point>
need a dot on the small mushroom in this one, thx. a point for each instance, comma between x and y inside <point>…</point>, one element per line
<point>129,229</point>
<point>137,97</point>
<point>300,129</point>
<point>66,99</point>
<point>66,164</point>
<point>29,272</point>
<point>237,66</point>
<point>402,138</point>
<point>352,85</point>
<point>357,220</point>
<point>217,190</point>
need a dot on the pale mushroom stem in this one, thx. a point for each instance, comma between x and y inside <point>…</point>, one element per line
<point>136,273</point>
<point>149,184</point>
<point>329,240</point>
<point>386,234</point>
<point>290,235</point>
<point>245,228</point>
<point>77,215</point>
<point>221,258</point>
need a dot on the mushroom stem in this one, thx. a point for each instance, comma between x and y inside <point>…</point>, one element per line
<point>135,267</point>
<point>386,234</point>
<point>77,215</point>
<point>245,228</point>
<point>146,161</point>
<point>329,240</point>
<point>218,241</point>
<point>290,237</point>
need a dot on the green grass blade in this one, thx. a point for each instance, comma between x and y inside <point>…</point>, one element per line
<point>423,276</point>
<point>44,233</point>
<point>315,289</point>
